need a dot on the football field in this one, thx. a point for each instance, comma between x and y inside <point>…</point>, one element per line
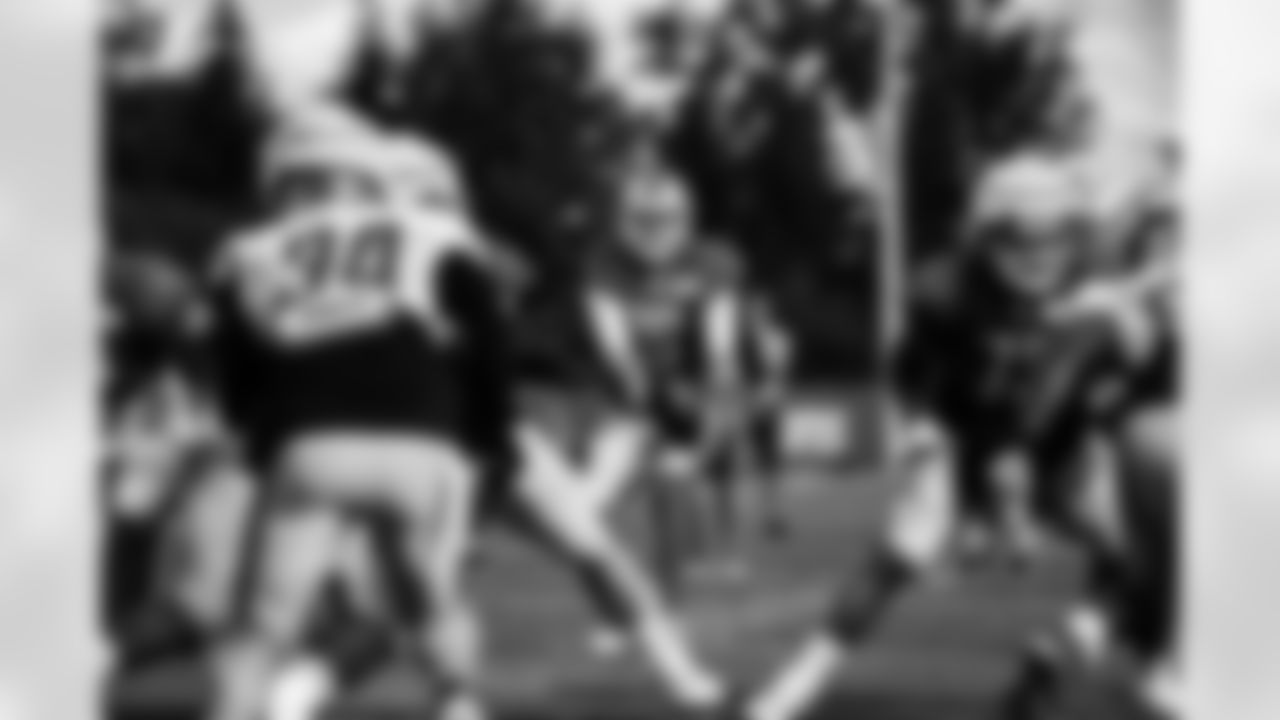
<point>946,654</point>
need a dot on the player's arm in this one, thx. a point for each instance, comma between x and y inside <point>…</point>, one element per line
<point>229,351</point>
<point>776,349</point>
<point>472,298</point>
<point>1113,295</point>
<point>726,324</point>
<point>1150,281</point>
<point>611,331</point>
<point>935,350</point>
<point>1065,387</point>
<point>729,320</point>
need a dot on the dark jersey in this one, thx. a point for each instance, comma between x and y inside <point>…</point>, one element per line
<point>359,318</point>
<point>998,373</point>
<point>656,320</point>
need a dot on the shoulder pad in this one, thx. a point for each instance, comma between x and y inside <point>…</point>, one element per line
<point>448,228</point>
<point>231,252</point>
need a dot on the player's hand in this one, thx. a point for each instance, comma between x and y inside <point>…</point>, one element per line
<point>1096,298</point>
<point>1131,319</point>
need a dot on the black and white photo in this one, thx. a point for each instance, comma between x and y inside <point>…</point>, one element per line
<point>631,359</point>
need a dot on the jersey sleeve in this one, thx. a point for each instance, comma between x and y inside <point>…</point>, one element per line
<point>228,344</point>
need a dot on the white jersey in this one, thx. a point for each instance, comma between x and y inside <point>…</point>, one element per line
<point>331,273</point>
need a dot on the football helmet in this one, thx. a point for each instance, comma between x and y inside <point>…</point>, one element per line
<point>655,216</point>
<point>423,172</point>
<point>319,151</point>
<point>1031,191</point>
<point>1029,221</point>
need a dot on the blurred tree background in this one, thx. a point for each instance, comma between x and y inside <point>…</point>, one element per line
<point>179,154</point>
<point>771,129</point>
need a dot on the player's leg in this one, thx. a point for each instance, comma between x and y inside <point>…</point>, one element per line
<point>616,457</point>
<point>1127,524</point>
<point>773,363</point>
<point>747,475</point>
<point>207,546</point>
<point>1080,499</point>
<point>677,495</point>
<point>1094,515</point>
<point>620,453</point>
<point>727,470</point>
<point>373,601</point>
<point>766,451</point>
<point>975,541</point>
<point>136,474</point>
<point>727,478</point>
<point>133,546</point>
<point>213,524</point>
<point>573,528</point>
<point>155,475</point>
<point>915,542</point>
<point>678,504</point>
<point>1150,611</point>
<point>354,636</point>
<point>303,522</point>
<point>1015,482</point>
<point>431,490</point>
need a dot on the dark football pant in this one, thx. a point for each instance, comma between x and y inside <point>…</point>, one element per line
<point>1149,601</point>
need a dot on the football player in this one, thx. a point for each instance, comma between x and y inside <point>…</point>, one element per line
<point>1138,610</point>
<point>664,314</point>
<point>545,498</point>
<point>338,326</point>
<point>159,434</point>
<point>1002,410</point>
<point>179,495</point>
<point>538,491</point>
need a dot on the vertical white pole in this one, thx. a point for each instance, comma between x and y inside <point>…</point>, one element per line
<point>889,126</point>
